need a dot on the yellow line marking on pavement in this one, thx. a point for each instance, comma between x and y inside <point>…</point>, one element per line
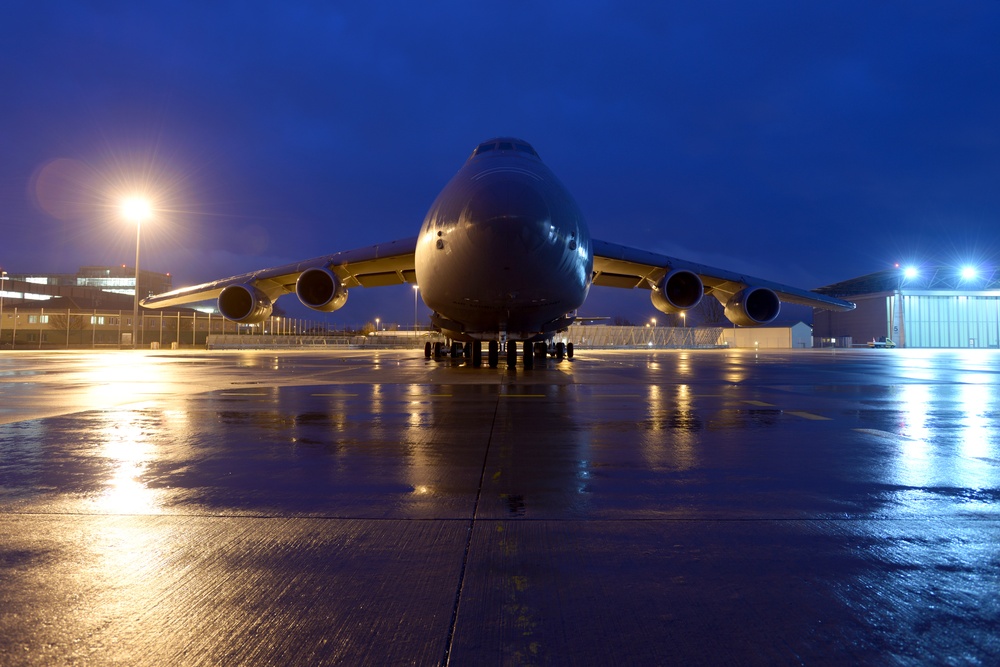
<point>522,395</point>
<point>333,394</point>
<point>808,415</point>
<point>760,404</point>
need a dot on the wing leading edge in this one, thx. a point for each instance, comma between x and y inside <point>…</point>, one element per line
<point>620,266</point>
<point>389,263</point>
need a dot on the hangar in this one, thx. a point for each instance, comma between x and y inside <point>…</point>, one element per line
<point>929,307</point>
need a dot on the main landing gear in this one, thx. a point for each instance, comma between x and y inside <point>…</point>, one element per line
<point>473,352</point>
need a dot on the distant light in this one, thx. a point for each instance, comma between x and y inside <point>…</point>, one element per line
<point>969,272</point>
<point>911,272</point>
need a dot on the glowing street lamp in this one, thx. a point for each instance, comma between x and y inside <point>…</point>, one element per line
<point>910,272</point>
<point>969,272</point>
<point>376,323</point>
<point>136,209</point>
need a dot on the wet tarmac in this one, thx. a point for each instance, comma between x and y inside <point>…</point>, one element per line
<point>710,507</point>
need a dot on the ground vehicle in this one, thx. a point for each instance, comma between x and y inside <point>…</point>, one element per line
<point>882,341</point>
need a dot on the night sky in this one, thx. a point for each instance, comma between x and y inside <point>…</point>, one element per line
<point>805,143</point>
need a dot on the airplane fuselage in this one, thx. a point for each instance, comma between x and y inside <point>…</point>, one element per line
<point>504,249</point>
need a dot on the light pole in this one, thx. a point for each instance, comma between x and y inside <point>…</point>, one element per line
<point>376,324</point>
<point>137,210</point>
<point>415,290</point>
<point>3,279</point>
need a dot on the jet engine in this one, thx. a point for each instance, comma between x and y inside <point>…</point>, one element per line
<point>753,306</point>
<point>320,290</point>
<point>245,304</point>
<point>677,291</point>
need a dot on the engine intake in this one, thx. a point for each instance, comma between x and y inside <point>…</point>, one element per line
<point>320,290</point>
<point>245,304</point>
<point>677,291</point>
<point>753,306</point>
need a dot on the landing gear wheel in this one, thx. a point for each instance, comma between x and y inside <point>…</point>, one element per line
<point>529,356</point>
<point>427,350</point>
<point>437,349</point>
<point>454,349</point>
<point>494,354</point>
<point>569,350</point>
<point>477,353</point>
<point>560,350</point>
<point>511,354</point>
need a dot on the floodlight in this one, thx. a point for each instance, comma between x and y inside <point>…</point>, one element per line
<point>969,272</point>
<point>911,272</point>
<point>136,209</point>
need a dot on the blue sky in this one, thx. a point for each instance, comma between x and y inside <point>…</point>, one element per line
<point>805,143</point>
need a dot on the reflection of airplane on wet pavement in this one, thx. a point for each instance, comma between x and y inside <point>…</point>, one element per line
<point>504,255</point>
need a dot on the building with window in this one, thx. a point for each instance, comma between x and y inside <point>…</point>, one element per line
<point>927,307</point>
<point>111,279</point>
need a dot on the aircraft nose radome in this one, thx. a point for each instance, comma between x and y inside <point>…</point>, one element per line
<point>508,213</point>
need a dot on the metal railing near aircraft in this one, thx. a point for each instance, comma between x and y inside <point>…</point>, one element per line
<point>608,336</point>
<point>46,328</point>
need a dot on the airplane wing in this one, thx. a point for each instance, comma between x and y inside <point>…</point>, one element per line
<point>378,265</point>
<point>620,266</point>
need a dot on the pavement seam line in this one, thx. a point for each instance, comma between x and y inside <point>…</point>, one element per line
<point>449,643</point>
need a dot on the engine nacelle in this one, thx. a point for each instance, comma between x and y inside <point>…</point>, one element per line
<point>753,306</point>
<point>320,290</point>
<point>677,291</point>
<point>245,304</point>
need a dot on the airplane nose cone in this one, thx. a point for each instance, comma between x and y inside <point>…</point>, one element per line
<point>508,213</point>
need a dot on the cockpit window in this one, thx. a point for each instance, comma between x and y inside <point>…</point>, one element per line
<point>518,146</point>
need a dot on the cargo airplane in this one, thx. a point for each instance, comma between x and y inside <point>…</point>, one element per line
<point>504,256</point>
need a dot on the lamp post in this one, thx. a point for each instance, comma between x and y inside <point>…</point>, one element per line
<point>3,279</point>
<point>376,323</point>
<point>415,290</point>
<point>137,210</point>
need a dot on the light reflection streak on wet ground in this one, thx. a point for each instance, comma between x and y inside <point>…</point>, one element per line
<point>693,506</point>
